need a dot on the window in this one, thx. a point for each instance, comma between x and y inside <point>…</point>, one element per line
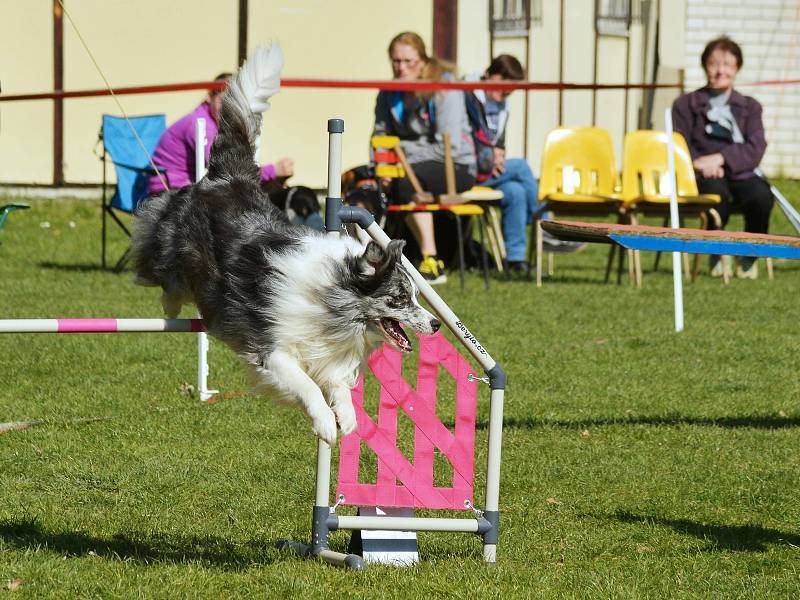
<point>613,17</point>
<point>512,18</point>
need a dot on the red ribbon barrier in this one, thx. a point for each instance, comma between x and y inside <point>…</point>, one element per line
<point>404,86</point>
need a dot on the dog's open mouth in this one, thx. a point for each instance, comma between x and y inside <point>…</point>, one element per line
<point>395,334</point>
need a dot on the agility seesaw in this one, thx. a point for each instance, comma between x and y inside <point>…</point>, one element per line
<point>666,239</point>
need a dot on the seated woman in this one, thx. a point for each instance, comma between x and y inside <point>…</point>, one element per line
<point>726,139</point>
<point>420,120</point>
<point>175,149</point>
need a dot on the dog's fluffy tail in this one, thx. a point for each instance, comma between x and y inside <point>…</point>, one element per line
<point>240,117</point>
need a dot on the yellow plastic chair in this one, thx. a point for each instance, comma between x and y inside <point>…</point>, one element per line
<point>578,178</point>
<point>646,187</point>
<point>390,163</point>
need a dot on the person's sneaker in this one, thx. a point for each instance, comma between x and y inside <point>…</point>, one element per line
<point>747,268</point>
<point>432,270</point>
<point>718,265</point>
<point>550,243</point>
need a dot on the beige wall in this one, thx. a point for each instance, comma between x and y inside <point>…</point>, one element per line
<point>345,39</point>
<point>192,40</point>
<point>26,64</point>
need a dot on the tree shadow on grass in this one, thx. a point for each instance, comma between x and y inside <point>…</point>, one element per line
<point>749,538</point>
<point>76,268</point>
<point>732,422</point>
<point>146,548</point>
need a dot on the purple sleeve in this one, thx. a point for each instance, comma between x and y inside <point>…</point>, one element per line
<point>746,156</point>
<point>268,173</point>
<point>682,122</point>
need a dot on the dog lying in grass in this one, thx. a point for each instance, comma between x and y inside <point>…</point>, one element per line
<point>303,310</point>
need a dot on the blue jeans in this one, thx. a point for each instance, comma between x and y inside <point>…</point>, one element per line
<point>520,192</point>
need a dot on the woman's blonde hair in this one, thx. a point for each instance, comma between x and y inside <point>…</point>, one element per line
<point>409,38</point>
<point>434,68</point>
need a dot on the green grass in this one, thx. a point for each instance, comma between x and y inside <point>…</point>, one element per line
<point>637,463</point>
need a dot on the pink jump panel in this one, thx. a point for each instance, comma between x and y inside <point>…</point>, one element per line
<point>87,325</point>
<point>400,482</point>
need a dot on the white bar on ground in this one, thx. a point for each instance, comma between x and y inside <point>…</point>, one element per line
<point>404,524</point>
<point>677,271</point>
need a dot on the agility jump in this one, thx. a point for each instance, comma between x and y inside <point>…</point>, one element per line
<point>324,517</point>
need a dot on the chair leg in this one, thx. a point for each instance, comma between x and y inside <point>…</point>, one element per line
<point>460,240</point>
<point>123,260</point>
<point>495,232</point>
<point>498,232</point>
<point>631,267</point>
<point>493,242</point>
<point>610,262</point>
<point>770,274</point>
<point>551,264</point>
<point>484,259</point>
<point>637,254</point>
<point>539,248</point>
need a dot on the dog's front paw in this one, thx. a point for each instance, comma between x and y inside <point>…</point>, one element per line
<point>324,425</point>
<point>346,415</point>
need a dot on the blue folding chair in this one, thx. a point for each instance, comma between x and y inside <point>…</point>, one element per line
<point>132,165</point>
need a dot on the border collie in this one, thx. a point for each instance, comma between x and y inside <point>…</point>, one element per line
<point>302,310</point>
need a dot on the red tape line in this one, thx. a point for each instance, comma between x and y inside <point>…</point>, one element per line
<point>373,84</point>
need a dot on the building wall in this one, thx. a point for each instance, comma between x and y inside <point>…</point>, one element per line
<point>768,32</point>
<point>193,40</point>
<point>26,64</point>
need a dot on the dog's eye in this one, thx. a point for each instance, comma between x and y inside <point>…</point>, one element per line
<point>398,301</point>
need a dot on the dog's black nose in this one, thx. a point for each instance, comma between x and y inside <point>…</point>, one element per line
<point>435,324</point>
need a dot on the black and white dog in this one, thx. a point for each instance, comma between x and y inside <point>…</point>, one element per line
<point>302,310</point>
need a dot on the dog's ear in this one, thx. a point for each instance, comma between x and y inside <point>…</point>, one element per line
<point>381,260</point>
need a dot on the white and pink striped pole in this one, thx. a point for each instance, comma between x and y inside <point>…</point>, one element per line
<point>101,325</point>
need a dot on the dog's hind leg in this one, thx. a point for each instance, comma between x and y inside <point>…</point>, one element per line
<point>283,372</point>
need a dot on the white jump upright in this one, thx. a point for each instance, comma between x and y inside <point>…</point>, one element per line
<point>675,222</point>
<point>486,521</point>
<point>203,392</point>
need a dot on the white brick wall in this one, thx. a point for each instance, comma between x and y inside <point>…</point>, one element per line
<point>768,32</point>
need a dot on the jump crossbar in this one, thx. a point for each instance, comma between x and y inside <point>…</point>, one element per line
<point>101,325</point>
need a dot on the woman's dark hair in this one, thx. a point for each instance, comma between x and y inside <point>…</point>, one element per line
<point>725,44</point>
<point>507,67</point>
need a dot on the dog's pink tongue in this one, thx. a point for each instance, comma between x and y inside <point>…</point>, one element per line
<point>396,331</point>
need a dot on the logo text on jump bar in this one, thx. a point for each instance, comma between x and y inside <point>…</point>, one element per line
<point>470,338</point>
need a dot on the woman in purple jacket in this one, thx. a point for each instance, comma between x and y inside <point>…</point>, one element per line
<point>176,148</point>
<point>725,135</point>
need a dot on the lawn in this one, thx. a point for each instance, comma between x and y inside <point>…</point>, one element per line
<point>637,462</point>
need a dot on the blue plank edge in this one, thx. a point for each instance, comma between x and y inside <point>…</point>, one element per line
<point>667,244</point>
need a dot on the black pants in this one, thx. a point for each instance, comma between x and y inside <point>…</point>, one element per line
<point>752,197</point>
<point>431,176</point>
